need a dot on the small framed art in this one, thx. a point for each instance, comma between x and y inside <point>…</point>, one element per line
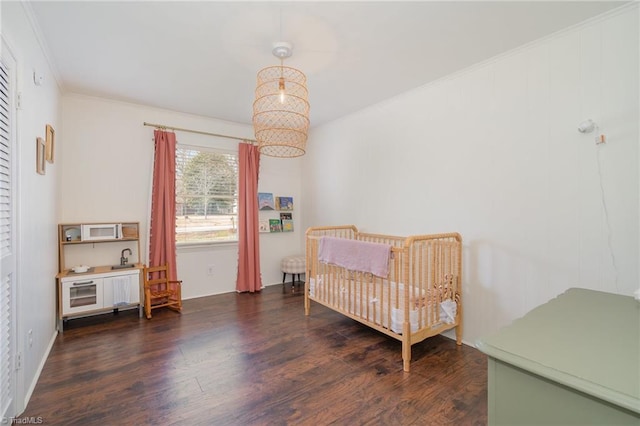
<point>50,142</point>
<point>40,154</point>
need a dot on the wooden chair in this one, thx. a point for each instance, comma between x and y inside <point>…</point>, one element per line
<point>159,291</point>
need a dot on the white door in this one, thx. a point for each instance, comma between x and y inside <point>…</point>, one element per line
<point>8,325</point>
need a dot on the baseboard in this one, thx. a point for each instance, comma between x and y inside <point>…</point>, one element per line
<point>43,361</point>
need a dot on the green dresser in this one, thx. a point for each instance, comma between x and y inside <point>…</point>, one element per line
<point>572,361</point>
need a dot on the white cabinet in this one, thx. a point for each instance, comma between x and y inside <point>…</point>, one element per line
<point>89,293</point>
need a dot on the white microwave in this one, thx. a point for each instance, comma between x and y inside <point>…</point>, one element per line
<point>101,231</point>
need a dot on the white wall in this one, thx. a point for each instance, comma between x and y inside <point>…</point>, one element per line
<point>493,153</point>
<point>36,200</point>
<point>106,173</point>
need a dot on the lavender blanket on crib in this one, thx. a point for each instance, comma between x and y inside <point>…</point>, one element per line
<point>355,255</point>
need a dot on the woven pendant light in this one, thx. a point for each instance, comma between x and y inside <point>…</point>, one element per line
<point>281,108</point>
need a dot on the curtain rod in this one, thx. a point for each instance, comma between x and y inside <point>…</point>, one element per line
<point>180,129</point>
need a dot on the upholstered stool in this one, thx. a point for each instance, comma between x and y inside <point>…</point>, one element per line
<point>292,265</point>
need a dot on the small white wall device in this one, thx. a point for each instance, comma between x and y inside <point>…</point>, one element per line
<point>587,126</point>
<point>38,78</point>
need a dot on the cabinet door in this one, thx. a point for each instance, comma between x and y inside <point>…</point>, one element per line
<point>121,290</point>
<point>81,295</point>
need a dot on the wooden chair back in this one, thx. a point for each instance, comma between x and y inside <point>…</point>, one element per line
<point>160,291</point>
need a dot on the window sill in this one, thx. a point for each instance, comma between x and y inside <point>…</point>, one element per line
<point>204,245</point>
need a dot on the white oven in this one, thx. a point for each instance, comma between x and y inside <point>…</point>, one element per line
<point>82,294</point>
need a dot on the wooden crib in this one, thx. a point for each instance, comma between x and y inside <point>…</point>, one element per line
<point>421,296</point>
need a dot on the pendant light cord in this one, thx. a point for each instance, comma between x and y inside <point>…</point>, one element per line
<point>606,219</point>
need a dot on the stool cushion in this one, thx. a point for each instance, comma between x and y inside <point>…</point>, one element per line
<point>293,265</point>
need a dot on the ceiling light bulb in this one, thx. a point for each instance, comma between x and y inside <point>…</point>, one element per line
<point>281,90</point>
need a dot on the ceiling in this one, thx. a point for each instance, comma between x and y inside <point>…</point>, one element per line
<point>202,57</point>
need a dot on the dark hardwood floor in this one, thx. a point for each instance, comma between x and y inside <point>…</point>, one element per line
<point>253,359</point>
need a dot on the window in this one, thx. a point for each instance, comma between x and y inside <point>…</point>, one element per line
<point>206,195</point>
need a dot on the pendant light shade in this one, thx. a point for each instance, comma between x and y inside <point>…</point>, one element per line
<point>281,108</point>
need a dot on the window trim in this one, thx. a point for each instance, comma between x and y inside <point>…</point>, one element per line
<point>193,246</point>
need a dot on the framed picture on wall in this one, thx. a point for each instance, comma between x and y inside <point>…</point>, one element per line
<point>50,142</point>
<point>40,154</point>
<point>263,225</point>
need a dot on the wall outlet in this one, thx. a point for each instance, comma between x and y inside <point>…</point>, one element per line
<point>30,338</point>
<point>210,270</point>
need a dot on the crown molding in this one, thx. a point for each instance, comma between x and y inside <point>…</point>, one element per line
<point>46,52</point>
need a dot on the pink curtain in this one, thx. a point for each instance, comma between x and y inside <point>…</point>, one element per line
<point>249,278</point>
<point>162,235</point>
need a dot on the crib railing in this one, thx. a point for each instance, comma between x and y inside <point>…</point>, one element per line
<point>424,271</point>
<point>433,267</point>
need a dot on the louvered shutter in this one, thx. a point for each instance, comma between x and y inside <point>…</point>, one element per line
<point>7,256</point>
